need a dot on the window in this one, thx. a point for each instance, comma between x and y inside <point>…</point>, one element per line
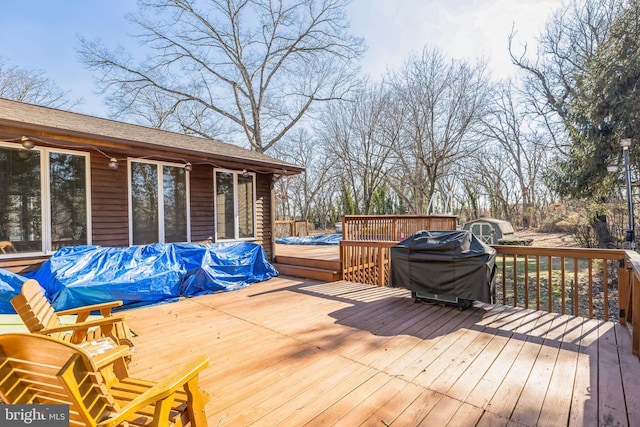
<point>235,205</point>
<point>159,205</point>
<point>43,211</point>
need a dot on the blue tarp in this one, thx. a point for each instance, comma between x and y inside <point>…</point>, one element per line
<point>222,267</point>
<point>141,275</point>
<point>10,285</point>
<point>323,239</point>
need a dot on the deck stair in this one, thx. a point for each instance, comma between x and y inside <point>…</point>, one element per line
<point>308,268</point>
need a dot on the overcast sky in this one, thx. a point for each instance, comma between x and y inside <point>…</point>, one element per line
<point>43,34</point>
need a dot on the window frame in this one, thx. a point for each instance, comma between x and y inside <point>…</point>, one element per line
<point>236,217</point>
<point>160,186</point>
<point>45,196</point>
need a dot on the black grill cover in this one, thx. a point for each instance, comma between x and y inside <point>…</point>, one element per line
<point>452,263</point>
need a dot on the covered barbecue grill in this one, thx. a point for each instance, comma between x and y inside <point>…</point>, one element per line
<point>445,266</point>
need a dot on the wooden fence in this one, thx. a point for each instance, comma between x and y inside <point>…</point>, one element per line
<point>289,228</point>
<point>392,227</point>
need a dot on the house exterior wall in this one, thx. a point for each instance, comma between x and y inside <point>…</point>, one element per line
<point>104,219</point>
<point>264,214</point>
<point>109,195</point>
<point>202,203</point>
<point>110,211</point>
<point>109,204</point>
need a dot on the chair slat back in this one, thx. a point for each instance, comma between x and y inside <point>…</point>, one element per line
<point>33,307</point>
<point>31,371</point>
<point>88,395</point>
<point>36,368</point>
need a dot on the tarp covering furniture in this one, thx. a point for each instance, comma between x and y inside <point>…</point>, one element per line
<point>10,285</point>
<point>321,239</point>
<point>140,275</point>
<point>222,267</point>
<point>452,266</point>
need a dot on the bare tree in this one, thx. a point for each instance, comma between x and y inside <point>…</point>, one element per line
<point>354,134</point>
<point>305,192</point>
<point>564,49</point>
<point>555,78</point>
<point>489,188</point>
<point>439,107</point>
<point>254,67</point>
<point>33,87</point>
<point>520,143</point>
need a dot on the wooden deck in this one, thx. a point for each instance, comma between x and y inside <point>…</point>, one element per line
<point>292,352</point>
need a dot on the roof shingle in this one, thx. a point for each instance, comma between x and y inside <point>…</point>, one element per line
<point>33,117</point>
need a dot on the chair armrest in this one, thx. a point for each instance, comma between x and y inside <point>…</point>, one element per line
<point>112,362</point>
<point>110,356</point>
<point>84,325</point>
<point>161,390</point>
<point>102,307</point>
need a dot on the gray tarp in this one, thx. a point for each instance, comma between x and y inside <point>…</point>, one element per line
<point>452,263</point>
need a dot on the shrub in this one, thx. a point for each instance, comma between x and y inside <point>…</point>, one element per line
<point>524,241</point>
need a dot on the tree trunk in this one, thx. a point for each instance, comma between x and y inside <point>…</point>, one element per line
<point>601,231</point>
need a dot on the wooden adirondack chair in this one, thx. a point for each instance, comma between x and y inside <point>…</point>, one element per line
<point>38,369</point>
<point>38,315</point>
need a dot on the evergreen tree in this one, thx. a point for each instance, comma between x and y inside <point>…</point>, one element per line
<point>606,110</point>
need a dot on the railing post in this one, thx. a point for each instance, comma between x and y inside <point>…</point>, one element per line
<point>380,266</point>
<point>635,313</point>
<point>631,297</point>
<point>624,278</point>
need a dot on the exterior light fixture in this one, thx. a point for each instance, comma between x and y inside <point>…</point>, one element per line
<point>625,143</point>
<point>113,163</point>
<point>630,237</point>
<point>188,166</point>
<point>27,143</point>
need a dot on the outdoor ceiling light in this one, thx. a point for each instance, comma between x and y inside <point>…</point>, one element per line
<point>27,143</point>
<point>188,166</point>
<point>113,163</point>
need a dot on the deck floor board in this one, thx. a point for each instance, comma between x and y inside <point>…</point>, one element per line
<point>295,352</point>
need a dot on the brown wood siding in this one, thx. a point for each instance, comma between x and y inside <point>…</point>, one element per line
<point>264,220</point>
<point>109,203</point>
<point>202,199</point>
<point>110,214</point>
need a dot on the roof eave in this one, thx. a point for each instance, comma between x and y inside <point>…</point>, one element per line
<point>53,133</point>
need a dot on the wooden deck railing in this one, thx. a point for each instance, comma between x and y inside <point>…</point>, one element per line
<point>574,281</point>
<point>392,227</point>
<point>592,283</point>
<point>630,299</point>
<point>366,261</point>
